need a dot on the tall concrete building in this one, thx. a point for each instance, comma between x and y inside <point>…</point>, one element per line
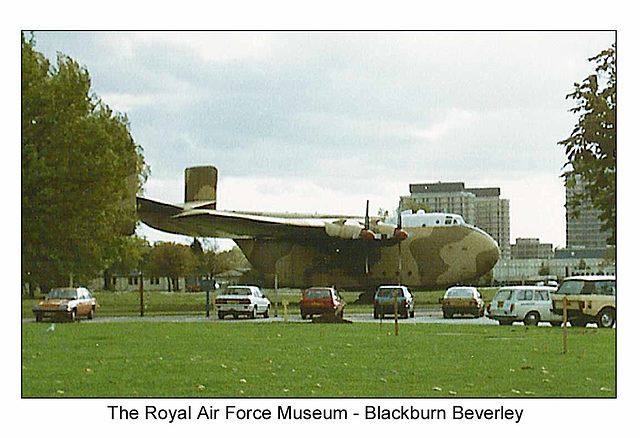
<point>531,248</point>
<point>481,207</point>
<point>583,231</point>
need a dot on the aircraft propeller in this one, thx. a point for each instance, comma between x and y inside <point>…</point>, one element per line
<point>367,235</point>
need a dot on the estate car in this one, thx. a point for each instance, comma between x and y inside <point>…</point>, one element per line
<point>589,298</point>
<point>529,304</point>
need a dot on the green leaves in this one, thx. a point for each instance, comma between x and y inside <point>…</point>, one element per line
<point>78,161</point>
<point>591,148</point>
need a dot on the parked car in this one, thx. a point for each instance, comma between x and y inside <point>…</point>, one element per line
<point>242,300</point>
<point>462,300</point>
<point>66,303</point>
<point>590,298</point>
<point>384,299</point>
<point>323,301</point>
<point>529,304</point>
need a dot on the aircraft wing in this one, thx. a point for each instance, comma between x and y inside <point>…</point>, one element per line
<point>193,220</point>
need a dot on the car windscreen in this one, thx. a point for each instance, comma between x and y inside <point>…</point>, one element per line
<point>503,295</point>
<point>571,287</point>
<point>317,293</point>
<point>62,294</point>
<point>459,293</point>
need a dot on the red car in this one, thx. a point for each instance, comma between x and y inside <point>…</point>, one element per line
<point>323,301</point>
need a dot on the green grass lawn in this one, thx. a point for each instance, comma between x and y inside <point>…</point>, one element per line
<point>262,359</point>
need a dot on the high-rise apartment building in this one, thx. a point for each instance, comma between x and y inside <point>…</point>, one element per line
<point>481,207</point>
<point>583,230</point>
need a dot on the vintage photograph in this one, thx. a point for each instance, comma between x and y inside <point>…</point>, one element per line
<point>293,215</point>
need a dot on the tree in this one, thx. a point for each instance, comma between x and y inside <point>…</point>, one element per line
<point>171,260</point>
<point>80,170</point>
<point>591,148</point>
<point>132,256</point>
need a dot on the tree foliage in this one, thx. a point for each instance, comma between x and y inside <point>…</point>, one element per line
<point>172,260</point>
<point>591,148</point>
<point>80,169</point>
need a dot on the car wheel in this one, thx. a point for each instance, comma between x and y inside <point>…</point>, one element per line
<point>90,314</point>
<point>235,315</point>
<point>252,315</point>
<point>376,315</point>
<point>413,314</point>
<point>38,316</point>
<point>606,318</point>
<point>340,314</point>
<point>266,312</point>
<point>221,315</point>
<point>446,314</point>
<point>532,318</point>
<point>72,315</point>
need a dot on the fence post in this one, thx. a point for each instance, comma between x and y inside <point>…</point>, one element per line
<point>141,295</point>
<point>564,325</point>
<point>395,310</point>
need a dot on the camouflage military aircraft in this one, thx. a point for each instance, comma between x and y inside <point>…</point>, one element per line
<point>429,250</point>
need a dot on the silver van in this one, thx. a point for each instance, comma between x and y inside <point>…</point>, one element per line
<point>529,304</point>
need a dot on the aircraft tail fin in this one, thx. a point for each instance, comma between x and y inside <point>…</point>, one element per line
<point>200,185</point>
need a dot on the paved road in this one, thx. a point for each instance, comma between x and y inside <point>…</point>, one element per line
<point>421,316</point>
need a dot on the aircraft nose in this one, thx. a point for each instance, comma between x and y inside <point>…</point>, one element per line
<point>488,254</point>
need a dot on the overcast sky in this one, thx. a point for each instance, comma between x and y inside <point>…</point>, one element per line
<point>321,122</point>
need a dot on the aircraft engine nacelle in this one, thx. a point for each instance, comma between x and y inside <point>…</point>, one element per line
<point>383,229</point>
<point>200,185</point>
<point>344,229</point>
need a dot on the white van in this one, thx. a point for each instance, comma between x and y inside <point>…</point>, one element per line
<point>529,304</point>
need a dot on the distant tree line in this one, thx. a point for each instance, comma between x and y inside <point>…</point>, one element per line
<point>173,260</point>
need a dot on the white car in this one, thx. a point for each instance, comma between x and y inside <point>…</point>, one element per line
<point>529,304</point>
<point>242,300</point>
